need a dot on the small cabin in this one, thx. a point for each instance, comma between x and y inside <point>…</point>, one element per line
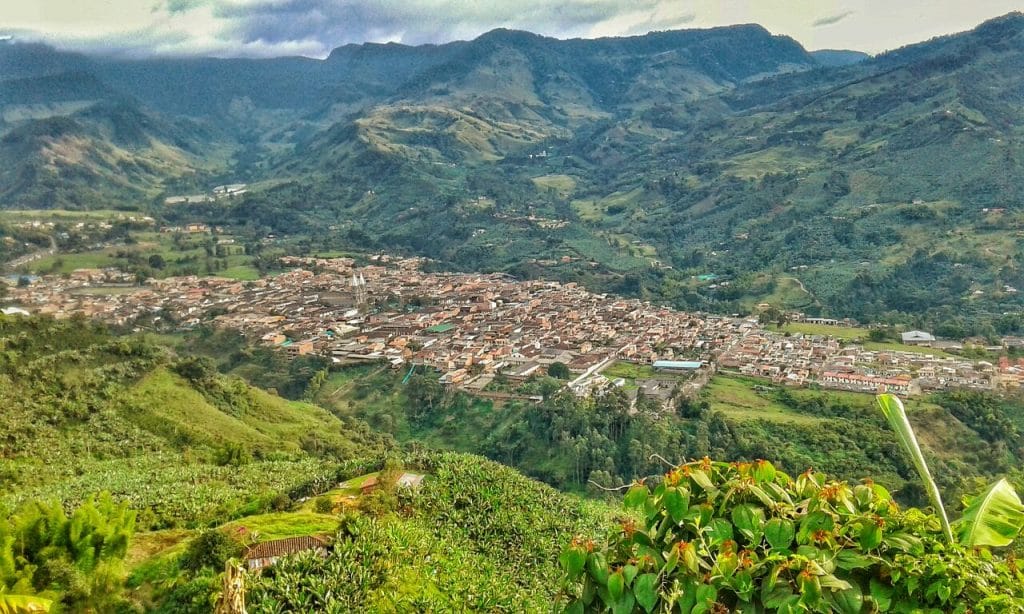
<point>265,554</point>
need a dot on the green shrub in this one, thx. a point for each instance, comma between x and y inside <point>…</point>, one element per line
<point>210,549</point>
<point>281,503</point>
<point>745,537</point>
<point>323,505</point>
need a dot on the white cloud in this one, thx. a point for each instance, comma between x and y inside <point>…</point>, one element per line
<point>314,27</point>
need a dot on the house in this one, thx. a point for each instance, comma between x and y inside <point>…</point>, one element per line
<point>917,337</point>
<point>369,485</point>
<point>412,481</point>
<point>265,554</point>
<point>298,348</point>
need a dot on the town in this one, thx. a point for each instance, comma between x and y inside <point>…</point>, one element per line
<point>473,328</point>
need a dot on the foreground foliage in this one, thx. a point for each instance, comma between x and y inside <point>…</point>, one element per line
<point>477,537</point>
<point>745,537</point>
<point>76,560</point>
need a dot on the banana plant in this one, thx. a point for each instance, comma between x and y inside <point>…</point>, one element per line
<point>23,604</point>
<point>993,518</point>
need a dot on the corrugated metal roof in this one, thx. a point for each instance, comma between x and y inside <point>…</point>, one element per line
<point>282,547</point>
<point>676,364</point>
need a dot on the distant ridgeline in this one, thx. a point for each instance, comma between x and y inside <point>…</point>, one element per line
<point>641,165</point>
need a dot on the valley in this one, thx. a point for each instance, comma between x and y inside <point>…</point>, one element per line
<point>590,163</point>
<point>514,323</point>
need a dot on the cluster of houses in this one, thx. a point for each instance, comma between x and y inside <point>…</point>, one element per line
<point>473,327</point>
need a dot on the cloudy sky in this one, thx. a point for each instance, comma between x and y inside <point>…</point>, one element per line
<point>313,27</point>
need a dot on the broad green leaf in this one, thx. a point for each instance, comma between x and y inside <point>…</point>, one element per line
<point>779,532</point>
<point>573,559</point>
<point>701,479</point>
<point>848,601</point>
<point>624,604</point>
<point>719,530</point>
<point>589,591</point>
<point>911,544</point>
<point>576,607</point>
<point>881,594</point>
<point>851,559</point>
<point>892,409</point>
<point>635,496</point>
<point>748,518</point>
<point>646,591</point>
<point>993,518</point>
<point>764,471</point>
<point>791,606</point>
<point>743,584</point>
<point>671,560</point>
<point>689,554</point>
<point>23,604</point>
<point>815,521</point>
<point>629,572</point>
<point>810,589</point>
<point>616,584</point>
<point>677,502</point>
<point>706,596</point>
<point>870,536</point>
<point>831,582</point>
<point>688,586</point>
<point>774,596</point>
<point>598,568</point>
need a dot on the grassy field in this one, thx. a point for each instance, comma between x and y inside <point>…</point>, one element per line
<point>852,334</point>
<point>630,370</point>
<point>632,373</point>
<point>843,333</point>
<point>64,215</point>
<point>280,525</point>
<point>738,397</point>
<point>66,263</point>
<point>564,185</point>
<point>788,293</point>
<point>242,272</point>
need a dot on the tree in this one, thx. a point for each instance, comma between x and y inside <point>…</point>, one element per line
<point>559,370</point>
<point>877,335</point>
<point>157,261</point>
<point>78,558</point>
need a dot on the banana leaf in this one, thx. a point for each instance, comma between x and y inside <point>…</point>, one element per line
<point>993,518</point>
<point>23,604</point>
<point>894,412</point>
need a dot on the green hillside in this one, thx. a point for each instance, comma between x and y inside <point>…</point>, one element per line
<point>574,443</point>
<point>87,411</point>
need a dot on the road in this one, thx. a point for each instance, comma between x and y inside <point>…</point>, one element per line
<point>21,261</point>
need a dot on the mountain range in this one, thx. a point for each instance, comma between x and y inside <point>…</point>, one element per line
<point>709,169</point>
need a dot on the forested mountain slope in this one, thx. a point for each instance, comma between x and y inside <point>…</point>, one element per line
<point>646,160</point>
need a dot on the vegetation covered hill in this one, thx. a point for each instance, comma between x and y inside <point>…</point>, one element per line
<point>577,444</point>
<point>885,188</point>
<point>86,411</point>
